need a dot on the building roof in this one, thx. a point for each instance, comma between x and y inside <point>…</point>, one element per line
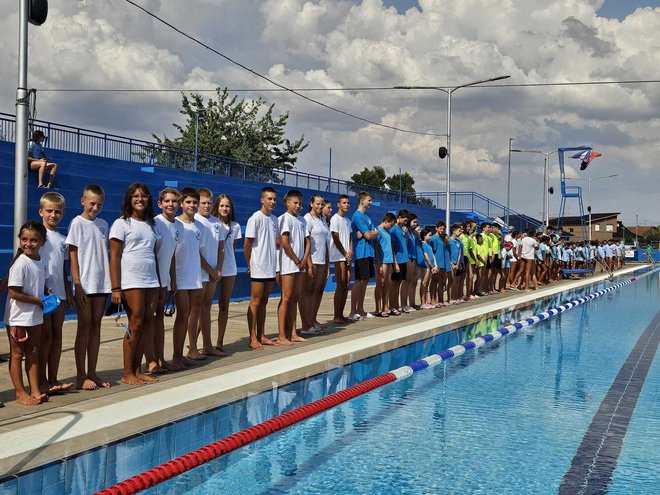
<point>640,230</point>
<point>595,217</point>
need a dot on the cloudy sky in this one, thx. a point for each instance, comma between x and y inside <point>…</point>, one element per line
<point>109,44</point>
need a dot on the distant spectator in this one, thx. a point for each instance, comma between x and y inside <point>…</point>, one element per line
<point>37,160</point>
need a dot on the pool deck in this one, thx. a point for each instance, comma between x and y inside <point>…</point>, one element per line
<point>74,422</point>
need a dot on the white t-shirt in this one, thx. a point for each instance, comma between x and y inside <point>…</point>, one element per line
<point>214,235</point>
<point>54,252</point>
<point>138,254</point>
<point>188,255</point>
<point>319,235</point>
<point>91,239</point>
<point>527,250</point>
<point>165,247</point>
<point>229,268</point>
<point>30,275</point>
<point>342,226</point>
<point>262,229</point>
<point>296,228</point>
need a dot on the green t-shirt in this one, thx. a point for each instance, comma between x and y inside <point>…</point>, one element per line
<point>465,240</point>
<point>482,250</point>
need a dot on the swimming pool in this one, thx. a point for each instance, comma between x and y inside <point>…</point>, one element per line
<point>507,418</point>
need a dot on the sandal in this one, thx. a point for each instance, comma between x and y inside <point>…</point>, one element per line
<point>18,334</point>
<point>395,312</point>
<point>382,314</point>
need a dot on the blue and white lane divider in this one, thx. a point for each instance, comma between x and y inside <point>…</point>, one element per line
<point>457,350</point>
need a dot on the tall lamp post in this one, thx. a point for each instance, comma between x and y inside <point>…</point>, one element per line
<point>546,180</point>
<point>508,186</point>
<point>589,181</point>
<point>449,91</point>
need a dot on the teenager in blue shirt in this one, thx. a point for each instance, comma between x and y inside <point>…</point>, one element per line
<point>400,247</point>
<point>385,262</point>
<point>363,232</point>
<point>439,279</point>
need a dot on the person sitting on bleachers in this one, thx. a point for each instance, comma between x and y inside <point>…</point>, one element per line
<point>37,160</point>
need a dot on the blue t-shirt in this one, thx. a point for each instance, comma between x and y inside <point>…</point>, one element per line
<point>384,246</point>
<point>438,246</point>
<point>506,257</point>
<point>362,223</point>
<point>419,258</point>
<point>36,150</point>
<point>429,251</point>
<point>399,244</point>
<point>412,249</point>
<point>456,251</point>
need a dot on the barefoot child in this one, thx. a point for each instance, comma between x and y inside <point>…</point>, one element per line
<point>293,257</point>
<point>134,277</point>
<point>213,252</point>
<point>166,228</point>
<point>26,283</point>
<point>54,253</point>
<point>189,289</point>
<point>260,250</point>
<point>341,252</point>
<point>90,274</point>
<point>223,209</point>
<point>385,261</point>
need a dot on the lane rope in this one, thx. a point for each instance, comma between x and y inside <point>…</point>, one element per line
<point>186,462</point>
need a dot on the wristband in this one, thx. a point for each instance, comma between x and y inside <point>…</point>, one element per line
<point>115,289</point>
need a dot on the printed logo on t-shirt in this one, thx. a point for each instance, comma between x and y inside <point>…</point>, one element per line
<point>102,232</point>
<point>176,234</point>
<point>198,235</point>
<point>62,246</point>
<point>216,228</point>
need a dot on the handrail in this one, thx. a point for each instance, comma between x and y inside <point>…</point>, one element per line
<point>80,140</point>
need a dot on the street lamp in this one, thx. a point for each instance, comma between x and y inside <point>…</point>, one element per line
<point>508,186</point>
<point>449,91</point>
<point>589,181</point>
<point>546,180</point>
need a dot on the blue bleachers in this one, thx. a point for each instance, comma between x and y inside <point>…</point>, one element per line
<point>77,170</point>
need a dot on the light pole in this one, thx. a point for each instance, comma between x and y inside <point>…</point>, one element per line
<point>508,185</point>
<point>589,181</point>
<point>546,180</point>
<point>449,91</point>
<point>636,229</point>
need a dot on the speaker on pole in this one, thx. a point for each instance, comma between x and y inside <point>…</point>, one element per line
<point>38,12</point>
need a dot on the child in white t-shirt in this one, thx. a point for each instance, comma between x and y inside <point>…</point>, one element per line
<point>166,228</point>
<point>293,255</point>
<point>189,288</point>
<point>260,250</point>
<point>90,273</point>
<point>134,276</point>
<point>54,253</point>
<point>341,255</point>
<point>213,252</point>
<point>26,283</point>
<point>223,209</point>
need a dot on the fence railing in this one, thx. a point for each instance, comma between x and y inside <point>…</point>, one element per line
<point>86,141</point>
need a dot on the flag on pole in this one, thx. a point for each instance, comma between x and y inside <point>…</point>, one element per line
<point>586,157</point>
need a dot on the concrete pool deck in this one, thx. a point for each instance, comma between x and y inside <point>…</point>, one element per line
<point>81,420</point>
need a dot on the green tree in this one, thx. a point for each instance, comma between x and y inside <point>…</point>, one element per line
<point>377,178</point>
<point>651,236</point>
<point>246,130</point>
<point>370,177</point>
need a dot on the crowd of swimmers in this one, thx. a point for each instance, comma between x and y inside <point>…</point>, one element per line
<point>150,264</point>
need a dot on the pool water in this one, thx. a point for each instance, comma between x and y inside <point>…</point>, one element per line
<point>505,418</point>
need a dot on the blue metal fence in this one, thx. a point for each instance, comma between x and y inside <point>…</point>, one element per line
<point>86,141</point>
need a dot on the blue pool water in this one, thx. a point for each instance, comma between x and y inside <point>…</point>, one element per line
<point>506,418</point>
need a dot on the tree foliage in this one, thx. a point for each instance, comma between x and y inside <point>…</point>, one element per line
<point>246,130</point>
<point>371,177</point>
<point>377,178</point>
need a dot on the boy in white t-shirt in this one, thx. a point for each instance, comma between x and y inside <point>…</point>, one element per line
<point>54,253</point>
<point>26,284</point>
<point>90,273</point>
<point>341,255</point>
<point>166,227</point>
<point>260,250</point>
<point>293,256</point>
<point>213,253</point>
<point>189,289</point>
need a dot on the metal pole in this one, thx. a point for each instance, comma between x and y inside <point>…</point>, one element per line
<point>636,229</point>
<point>329,169</point>
<point>21,137</point>
<point>400,184</point>
<point>447,214</point>
<point>508,186</point>
<point>547,186</point>
<point>589,189</point>
<point>545,192</point>
<point>196,139</point>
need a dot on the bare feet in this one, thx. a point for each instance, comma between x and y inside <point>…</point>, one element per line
<point>320,325</point>
<point>146,378</point>
<point>176,365</point>
<point>195,354</point>
<point>26,399</point>
<point>189,362</point>
<point>87,384</point>
<point>298,338</point>
<point>212,351</point>
<point>255,344</point>
<point>100,382</point>
<point>284,341</point>
<point>267,341</point>
<point>221,350</point>
<point>155,369</point>
<point>131,380</point>
<point>339,321</point>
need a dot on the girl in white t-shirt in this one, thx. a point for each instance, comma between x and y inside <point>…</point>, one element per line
<point>317,266</point>
<point>528,249</point>
<point>293,254</point>
<point>223,209</point>
<point>26,283</point>
<point>134,277</point>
